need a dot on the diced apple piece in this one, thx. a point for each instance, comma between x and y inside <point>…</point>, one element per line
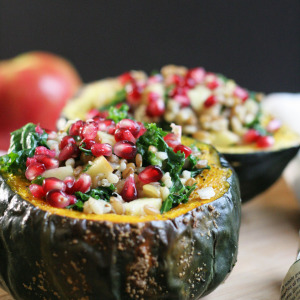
<point>150,190</point>
<point>198,96</point>
<point>136,207</point>
<point>100,165</point>
<point>224,138</point>
<point>60,173</point>
<point>106,138</point>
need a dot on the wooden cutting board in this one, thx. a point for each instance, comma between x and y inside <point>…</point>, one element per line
<point>268,246</point>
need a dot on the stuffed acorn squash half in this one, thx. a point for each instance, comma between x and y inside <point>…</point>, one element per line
<point>209,107</point>
<point>112,209</point>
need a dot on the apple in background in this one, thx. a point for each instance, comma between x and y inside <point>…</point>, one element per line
<point>34,87</point>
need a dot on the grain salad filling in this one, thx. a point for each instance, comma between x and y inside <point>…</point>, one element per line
<point>208,106</point>
<point>110,164</point>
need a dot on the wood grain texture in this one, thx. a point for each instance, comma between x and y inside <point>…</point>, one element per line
<point>268,246</point>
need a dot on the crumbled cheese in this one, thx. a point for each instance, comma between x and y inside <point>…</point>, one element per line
<point>176,129</point>
<point>166,179</point>
<point>186,174</point>
<point>161,155</point>
<point>206,193</point>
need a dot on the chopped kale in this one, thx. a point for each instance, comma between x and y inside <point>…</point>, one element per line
<point>39,180</point>
<point>118,114</point>
<point>22,145</point>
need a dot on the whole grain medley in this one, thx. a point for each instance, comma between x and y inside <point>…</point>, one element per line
<point>208,106</point>
<point>110,164</point>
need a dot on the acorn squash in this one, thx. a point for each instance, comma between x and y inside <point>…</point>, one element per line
<point>257,167</point>
<point>57,253</point>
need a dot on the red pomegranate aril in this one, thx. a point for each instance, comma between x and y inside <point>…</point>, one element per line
<point>142,129</point>
<point>134,93</point>
<point>129,191</point>
<point>184,100</point>
<point>34,170</point>
<point>125,149</point>
<point>47,161</point>
<point>37,190</point>
<point>155,108</point>
<point>39,130</point>
<point>211,81</point>
<point>210,101</point>
<point>44,151</point>
<point>87,144</point>
<point>250,136</point>
<point>175,79</point>
<point>66,140</point>
<point>171,140</point>
<point>82,184</point>
<point>72,199</point>
<point>101,149</point>
<point>129,124</point>
<point>125,78</point>
<point>183,149</point>
<point>105,125</point>
<point>123,134</point>
<point>178,90</point>
<point>265,141</point>
<point>189,82</point>
<point>151,174</point>
<point>57,198</point>
<point>30,160</point>
<point>92,114</point>
<point>89,131</point>
<point>241,93</point>
<point>69,151</point>
<point>69,182</point>
<point>75,127</point>
<point>198,74</point>
<point>273,125</point>
<point>53,183</point>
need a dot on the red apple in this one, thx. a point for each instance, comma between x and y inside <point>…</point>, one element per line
<point>34,87</point>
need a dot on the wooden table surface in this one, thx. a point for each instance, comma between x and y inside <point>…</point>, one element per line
<point>268,246</point>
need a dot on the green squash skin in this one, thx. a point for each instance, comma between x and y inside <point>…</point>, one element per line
<point>258,171</point>
<point>47,256</point>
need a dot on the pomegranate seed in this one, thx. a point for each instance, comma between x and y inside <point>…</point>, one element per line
<point>126,78</point>
<point>53,183</point>
<point>75,127</point>
<point>171,140</point>
<point>34,170</point>
<point>106,125</point>
<point>92,114</point>
<point>174,79</point>
<point>156,105</point>
<point>251,136</point>
<point>142,129</point>
<point>82,184</point>
<point>241,93</point>
<point>57,198</point>
<point>178,90</point>
<point>37,190</point>
<point>183,149</point>
<point>88,131</point>
<point>151,174</point>
<point>47,161</point>
<point>66,140</point>
<point>198,74</point>
<point>39,130</point>
<point>69,182</point>
<point>72,199</point>
<point>129,191</point>
<point>211,81</point>
<point>184,100</point>
<point>210,101</point>
<point>129,124</point>
<point>125,149</point>
<point>44,151</point>
<point>69,151</point>
<point>30,160</point>
<point>134,93</point>
<point>274,125</point>
<point>265,141</point>
<point>123,134</point>
<point>189,82</point>
<point>87,144</point>
<point>101,149</point>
